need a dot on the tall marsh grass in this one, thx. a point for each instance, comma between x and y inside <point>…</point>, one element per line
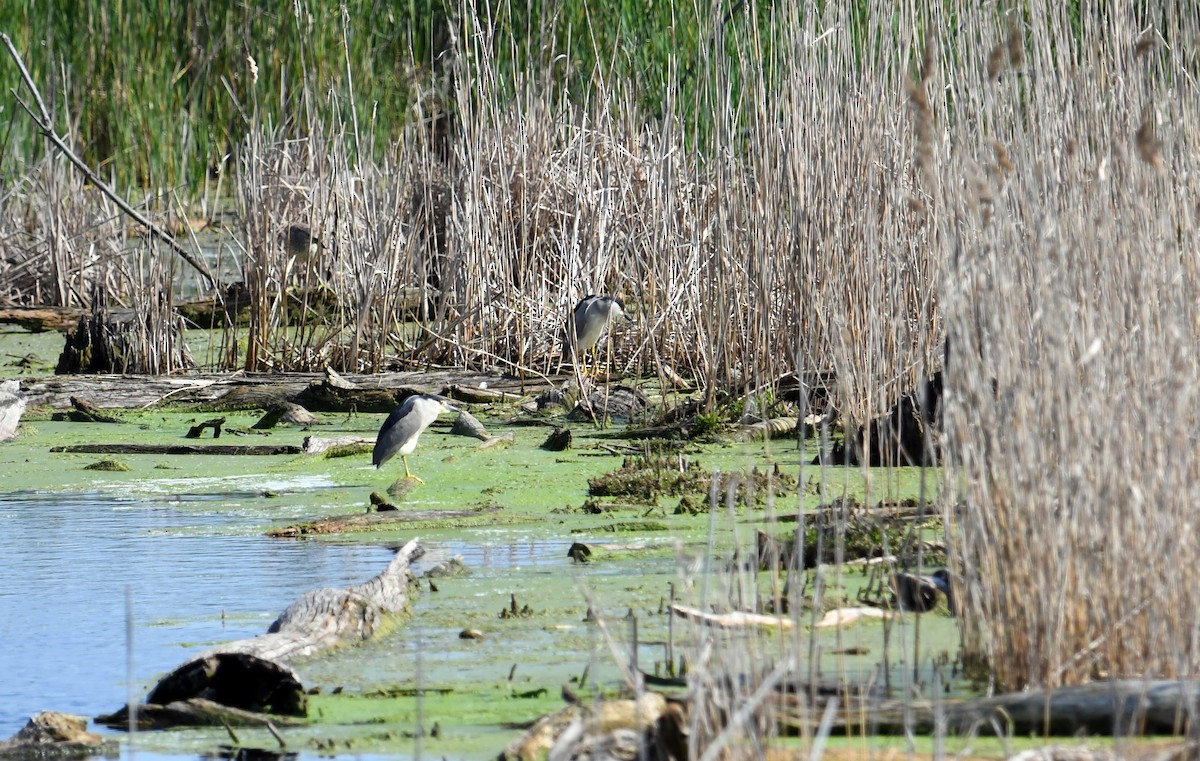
<point>1010,186</point>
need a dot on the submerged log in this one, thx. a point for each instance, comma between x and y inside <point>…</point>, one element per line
<point>173,449</point>
<point>559,440</point>
<point>478,395</point>
<point>327,396</point>
<point>774,428</point>
<point>732,620</point>
<point>254,674</point>
<point>367,521</point>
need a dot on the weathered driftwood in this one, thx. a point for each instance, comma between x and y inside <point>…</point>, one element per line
<point>477,395</point>
<point>333,378</point>
<point>255,675</point>
<point>327,397</point>
<point>239,689</point>
<point>327,618</point>
<point>318,445</point>
<point>733,620</point>
<point>174,449</point>
<point>367,521</point>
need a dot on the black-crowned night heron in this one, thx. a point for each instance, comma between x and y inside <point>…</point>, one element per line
<point>403,427</point>
<point>302,248</point>
<point>591,318</point>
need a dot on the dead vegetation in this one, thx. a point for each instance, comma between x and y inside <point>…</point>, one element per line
<point>1012,189</point>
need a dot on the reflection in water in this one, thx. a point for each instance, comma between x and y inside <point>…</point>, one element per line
<point>249,754</point>
<point>68,560</point>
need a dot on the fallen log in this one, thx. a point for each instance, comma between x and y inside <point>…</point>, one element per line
<point>254,675</point>
<point>42,319</point>
<point>318,445</point>
<point>476,395</point>
<point>775,428</point>
<point>227,391</point>
<point>195,712</point>
<point>173,449</point>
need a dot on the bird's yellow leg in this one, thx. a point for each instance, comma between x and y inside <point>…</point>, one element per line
<point>407,474</point>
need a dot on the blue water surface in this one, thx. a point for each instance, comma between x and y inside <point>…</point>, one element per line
<point>70,563</point>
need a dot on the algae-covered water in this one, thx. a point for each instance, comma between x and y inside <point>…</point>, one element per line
<point>179,543</point>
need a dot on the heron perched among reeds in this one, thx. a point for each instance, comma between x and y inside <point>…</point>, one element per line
<point>399,433</point>
<point>591,318</point>
<point>302,249</point>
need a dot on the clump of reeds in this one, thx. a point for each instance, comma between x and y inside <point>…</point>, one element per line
<point>58,238</point>
<point>1069,294</point>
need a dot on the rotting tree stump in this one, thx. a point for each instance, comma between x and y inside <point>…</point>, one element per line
<point>254,675</point>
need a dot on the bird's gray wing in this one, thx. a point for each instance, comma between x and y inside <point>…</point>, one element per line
<point>393,433</point>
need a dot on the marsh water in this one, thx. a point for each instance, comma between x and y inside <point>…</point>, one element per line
<point>75,564</point>
<point>177,547</point>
